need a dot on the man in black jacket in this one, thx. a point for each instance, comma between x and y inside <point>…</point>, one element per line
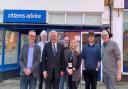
<point>53,62</point>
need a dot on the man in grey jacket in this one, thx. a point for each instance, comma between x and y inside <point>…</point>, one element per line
<point>111,59</point>
<point>29,63</point>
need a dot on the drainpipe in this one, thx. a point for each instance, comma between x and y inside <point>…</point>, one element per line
<point>110,17</point>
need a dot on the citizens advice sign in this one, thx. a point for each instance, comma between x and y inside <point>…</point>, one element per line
<point>24,16</point>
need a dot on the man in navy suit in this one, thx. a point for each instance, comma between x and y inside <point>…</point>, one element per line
<point>53,62</point>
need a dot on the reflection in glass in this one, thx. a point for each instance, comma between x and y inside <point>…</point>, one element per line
<point>125,46</point>
<point>24,39</point>
<point>125,42</point>
<point>11,44</point>
<point>0,47</point>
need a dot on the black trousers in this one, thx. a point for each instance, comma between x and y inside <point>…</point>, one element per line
<point>52,83</point>
<point>41,78</point>
<point>41,81</point>
<point>72,84</point>
<point>90,77</point>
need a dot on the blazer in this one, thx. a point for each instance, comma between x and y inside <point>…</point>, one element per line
<point>36,59</point>
<point>51,62</point>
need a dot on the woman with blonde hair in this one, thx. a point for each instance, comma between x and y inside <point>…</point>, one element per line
<point>73,65</point>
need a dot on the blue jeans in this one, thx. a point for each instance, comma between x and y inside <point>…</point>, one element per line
<point>26,81</point>
<point>62,79</point>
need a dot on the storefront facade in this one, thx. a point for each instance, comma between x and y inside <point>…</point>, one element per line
<point>67,17</point>
<point>125,37</point>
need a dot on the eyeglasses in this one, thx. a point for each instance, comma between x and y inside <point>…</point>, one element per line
<point>32,36</point>
<point>104,35</point>
<point>66,40</point>
<point>44,36</point>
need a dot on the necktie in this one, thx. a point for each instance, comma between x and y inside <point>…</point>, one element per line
<point>54,50</point>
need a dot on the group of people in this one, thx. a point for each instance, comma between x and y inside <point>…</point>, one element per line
<point>56,63</point>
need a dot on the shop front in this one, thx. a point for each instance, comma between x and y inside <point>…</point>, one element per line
<point>17,23</point>
<point>125,38</point>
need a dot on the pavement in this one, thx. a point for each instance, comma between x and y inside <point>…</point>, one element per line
<point>14,84</point>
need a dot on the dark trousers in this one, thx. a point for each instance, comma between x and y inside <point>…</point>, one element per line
<point>71,84</point>
<point>40,77</point>
<point>41,81</point>
<point>90,77</point>
<point>52,83</point>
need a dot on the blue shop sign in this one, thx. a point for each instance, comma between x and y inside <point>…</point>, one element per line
<point>24,16</point>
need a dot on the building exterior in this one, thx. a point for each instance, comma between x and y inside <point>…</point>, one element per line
<point>68,17</point>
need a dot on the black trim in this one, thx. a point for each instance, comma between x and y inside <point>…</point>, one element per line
<point>25,27</point>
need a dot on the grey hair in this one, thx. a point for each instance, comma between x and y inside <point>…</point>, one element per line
<point>53,31</point>
<point>43,32</point>
<point>32,31</point>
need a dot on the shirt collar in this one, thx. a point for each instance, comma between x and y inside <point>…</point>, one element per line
<point>43,42</point>
<point>54,43</point>
<point>106,43</point>
<point>91,45</point>
<point>32,45</point>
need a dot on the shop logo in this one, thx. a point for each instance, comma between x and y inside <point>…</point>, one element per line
<point>24,16</point>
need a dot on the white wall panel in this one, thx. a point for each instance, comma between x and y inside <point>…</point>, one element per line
<point>55,5</point>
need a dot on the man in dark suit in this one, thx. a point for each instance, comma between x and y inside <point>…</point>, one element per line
<point>29,63</point>
<point>53,62</point>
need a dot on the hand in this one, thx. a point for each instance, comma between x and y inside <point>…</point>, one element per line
<point>119,77</point>
<point>28,72</point>
<point>73,69</point>
<point>25,71</point>
<point>97,69</point>
<point>70,71</point>
<point>62,73</point>
<point>45,74</point>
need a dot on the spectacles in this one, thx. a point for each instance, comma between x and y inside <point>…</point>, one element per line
<point>44,36</point>
<point>66,40</point>
<point>32,36</point>
<point>104,35</point>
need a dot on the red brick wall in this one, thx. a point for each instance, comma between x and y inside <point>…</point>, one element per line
<point>72,35</point>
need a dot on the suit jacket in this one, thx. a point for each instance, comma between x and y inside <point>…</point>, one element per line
<point>50,62</point>
<point>36,59</point>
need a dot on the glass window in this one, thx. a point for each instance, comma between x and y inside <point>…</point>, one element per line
<point>125,42</point>
<point>1,47</point>
<point>74,18</point>
<point>1,16</point>
<point>93,19</point>
<point>56,18</point>
<point>24,39</point>
<point>11,45</point>
<point>38,39</point>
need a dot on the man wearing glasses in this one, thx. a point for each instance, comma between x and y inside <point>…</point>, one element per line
<point>29,62</point>
<point>111,59</point>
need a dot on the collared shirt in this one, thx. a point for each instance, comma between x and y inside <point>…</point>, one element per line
<point>91,55</point>
<point>30,56</point>
<point>41,44</point>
